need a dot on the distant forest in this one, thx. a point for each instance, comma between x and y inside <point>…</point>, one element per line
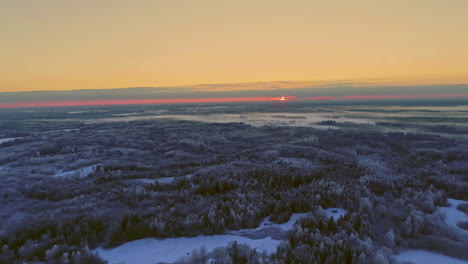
<point>228,177</point>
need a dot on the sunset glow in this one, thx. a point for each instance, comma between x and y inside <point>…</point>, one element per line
<point>67,45</point>
<point>256,131</point>
<point>367,97</point>
<point>222,100</point>
<point>137,101</point>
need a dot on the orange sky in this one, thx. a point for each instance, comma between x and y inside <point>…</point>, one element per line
<point>88,44</point>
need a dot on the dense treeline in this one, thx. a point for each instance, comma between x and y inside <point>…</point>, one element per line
<point>390,184</point>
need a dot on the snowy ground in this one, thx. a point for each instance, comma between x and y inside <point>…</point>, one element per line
<point>3,140</point>
<point>452,215</point>
<point>152,250</point>
<point>164,180</point>
<point>335,213</point>
<point>427,257</point>
<point>81,172</point>
<point>269,229</point>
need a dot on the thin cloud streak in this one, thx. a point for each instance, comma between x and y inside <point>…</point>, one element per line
<point>298,89</point>
<point>136,101</point>
<point>369,97</point>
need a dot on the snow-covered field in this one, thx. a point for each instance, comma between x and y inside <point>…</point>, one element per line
<point>267,224</point>
<point>427,257</point>
<point>151,250</point>
<point>81,172</point>
<point>3,140</point>
<point>164,180</point>
<point>452,215</point>
<point>335,213</point>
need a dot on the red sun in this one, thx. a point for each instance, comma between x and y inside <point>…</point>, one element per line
<point>282,98</point>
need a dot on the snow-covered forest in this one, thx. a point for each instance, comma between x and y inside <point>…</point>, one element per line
<point>69,186</point>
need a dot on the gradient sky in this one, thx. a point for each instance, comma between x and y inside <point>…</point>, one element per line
<point>90,44</point>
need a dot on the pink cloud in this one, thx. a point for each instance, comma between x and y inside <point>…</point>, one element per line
<point>136,101</point>
<point>221,100</point>
<point>368,97</point>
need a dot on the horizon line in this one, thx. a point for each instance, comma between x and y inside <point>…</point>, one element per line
<point>284,98</point>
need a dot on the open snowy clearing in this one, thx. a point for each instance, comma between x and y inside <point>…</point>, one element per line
<point>336,213</point>
<point>427,257</point>
<point>81,172</point>
<point>272,228</point>
<point>3,140</point>
<point>452,215</point>
<point>164,180</point>
<point>152,250</point>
